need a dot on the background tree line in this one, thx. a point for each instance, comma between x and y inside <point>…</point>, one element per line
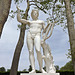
<point>67,67</point>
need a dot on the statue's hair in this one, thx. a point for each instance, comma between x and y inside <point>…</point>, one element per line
<point>33,11</point>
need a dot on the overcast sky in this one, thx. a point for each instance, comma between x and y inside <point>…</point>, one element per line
<point>58,43</point>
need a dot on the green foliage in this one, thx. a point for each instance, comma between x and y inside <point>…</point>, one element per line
<point>44,68</point>
<point>18,1</point>
<point>37,71</point>
<point>8,70</point>
<point>69,54</point>
<point>73,1</point>
<point>57,67</point>
<point>24,70</point>
<point>65,72</point>
<point>19,26</point>
<point>2,69</point>
<point>59,6</point>
<point>12,13</point>
<point>67,67</point>
<point>61,72</point>
<point>30,68</point>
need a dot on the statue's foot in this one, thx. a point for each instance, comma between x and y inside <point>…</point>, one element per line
<point>33,71</point>
<point>52,71</point>
<point>43,71</point>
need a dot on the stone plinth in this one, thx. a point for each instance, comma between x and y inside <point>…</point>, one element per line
<point>40,74</point>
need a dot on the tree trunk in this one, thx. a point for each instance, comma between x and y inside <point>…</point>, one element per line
<point>71,30</point>
<point>4,12</point>
<point>19,46</point>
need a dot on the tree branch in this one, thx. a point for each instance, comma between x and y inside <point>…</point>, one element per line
<point>39,7</point>
<point>31,4</point>
<point>35,1</point>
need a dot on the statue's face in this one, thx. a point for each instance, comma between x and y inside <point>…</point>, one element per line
<point>34,14</point>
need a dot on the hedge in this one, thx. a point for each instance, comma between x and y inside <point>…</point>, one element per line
<point>61,73</point>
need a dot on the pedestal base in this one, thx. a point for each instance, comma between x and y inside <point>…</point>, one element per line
<point>40,74</point>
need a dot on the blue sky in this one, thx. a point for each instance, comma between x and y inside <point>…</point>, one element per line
<point>58,43</point>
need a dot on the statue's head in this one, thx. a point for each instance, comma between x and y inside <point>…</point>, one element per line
<point>35,14</point>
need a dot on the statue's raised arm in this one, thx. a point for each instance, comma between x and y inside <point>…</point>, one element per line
<point>24,21</point>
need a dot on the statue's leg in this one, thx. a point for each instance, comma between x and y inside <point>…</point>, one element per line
<point>31,52</point>
<point>37,42</point>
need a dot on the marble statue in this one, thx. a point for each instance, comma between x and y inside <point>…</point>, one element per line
<point>48,58</point>
<point>34,39</point>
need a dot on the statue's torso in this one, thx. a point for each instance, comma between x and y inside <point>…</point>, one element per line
<point>35,26</point>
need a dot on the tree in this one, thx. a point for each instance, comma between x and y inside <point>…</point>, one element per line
<point>19,46</point>
<point>70,26</point>
<point>71,30</point>
<point>4,12</point>
<point>67,67</point>
<point>2,69</point>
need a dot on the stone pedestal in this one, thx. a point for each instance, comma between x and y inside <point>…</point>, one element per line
<point>40,74</point>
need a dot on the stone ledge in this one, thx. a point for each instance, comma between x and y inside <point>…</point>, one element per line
<point>40,74</point>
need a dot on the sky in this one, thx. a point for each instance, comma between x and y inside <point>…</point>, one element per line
<point>58,43</point>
